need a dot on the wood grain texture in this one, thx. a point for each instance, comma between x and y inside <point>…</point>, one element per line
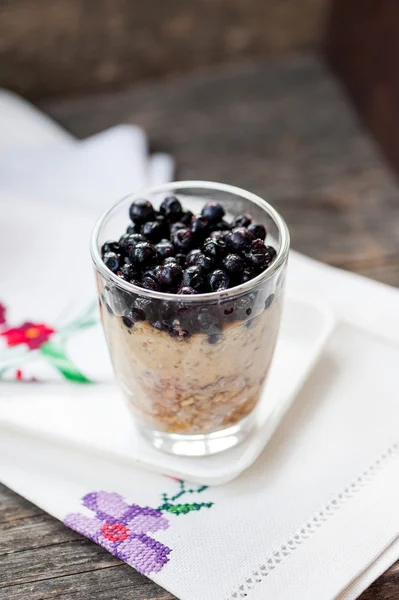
<point>52,47</point>
<point>283,130</point>
<point>362,45</point>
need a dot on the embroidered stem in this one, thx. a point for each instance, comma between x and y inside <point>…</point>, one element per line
<point>178,509</point>
<point>57,357</point>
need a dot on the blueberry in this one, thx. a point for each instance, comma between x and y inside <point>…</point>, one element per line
<point>193,277</point>
<point>199,227</point>
<point>110,246</point>
<point>171,208</point>
<point>171,260</point>
<point>127,321</point>
<point>181,259</point>
<point>247,275</point>
<point>182,240</point>
<point>158,324</point>
<point>176,226</point>
<point>166,311</point>
<point>239,239</point>
<point>111,260</point>
<point>258,246</point>
<point>242,221</point>
<point>148,283</point>
<point>198,258</point>
<point>209,322</point>
<point>163,224</point>
<point>152,231</point>
<point>169,276</point>
<point>186,218</point>
<point>152,272</point>
<point>143,254</point>
<point>186,290</point>
<point>272,252</point>
<point>205,262</point>
<point>165,249</point>
<point>191,258</point>
<point>122,241</point>
<point>215,248</point>
<point>258,256</point>
<point>214,338</point>
<point>259,261</point>
<point>135,228</point>
<point>128,273</point>
<point>259,231</point>
<point>228,310</point>
<point>176,330</point>
<point>143,308</point>
<point>218,235</point>
<point>233,264</point>
<point>213,211</point>
<point>221,226</point>
<point>133,316</point>
<point>218,280</point>
<point>129,241</point>
<point>141,210</point>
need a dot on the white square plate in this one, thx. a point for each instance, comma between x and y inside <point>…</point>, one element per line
<point>94,418</point>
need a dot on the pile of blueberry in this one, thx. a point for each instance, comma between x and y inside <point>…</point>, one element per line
<point>171,250</point>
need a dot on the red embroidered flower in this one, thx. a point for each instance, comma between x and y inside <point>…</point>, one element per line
<point>115,532</point>
<point>2,314</point>
<point>31,334</point>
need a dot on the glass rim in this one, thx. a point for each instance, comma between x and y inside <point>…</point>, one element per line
<point>280,259</point>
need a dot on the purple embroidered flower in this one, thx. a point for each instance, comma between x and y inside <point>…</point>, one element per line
<point>122,529</point>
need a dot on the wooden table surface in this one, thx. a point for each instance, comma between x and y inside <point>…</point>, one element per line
<point>282,130</point>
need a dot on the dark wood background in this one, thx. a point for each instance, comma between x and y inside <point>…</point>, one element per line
<point>282,129</point>
<point>362,46</point>
<point>50,47</point>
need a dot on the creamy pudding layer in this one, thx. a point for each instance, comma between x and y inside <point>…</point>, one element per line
<point>196,385</point>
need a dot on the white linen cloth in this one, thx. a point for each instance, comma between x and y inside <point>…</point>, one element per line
<point>316,517</point>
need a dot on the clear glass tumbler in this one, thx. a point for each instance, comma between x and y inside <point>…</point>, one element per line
<point>192,367</point>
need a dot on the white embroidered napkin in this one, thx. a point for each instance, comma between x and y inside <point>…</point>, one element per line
<point>314,518</point>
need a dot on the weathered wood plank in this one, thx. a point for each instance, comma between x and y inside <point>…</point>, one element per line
<point>31,532</point>
<point>362,45</point>
<point>60,559</point>
<point>107,583</point>
<point>386,587</point>
<point>52,47</point>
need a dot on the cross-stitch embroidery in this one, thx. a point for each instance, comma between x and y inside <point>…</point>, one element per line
<point>123,528</point>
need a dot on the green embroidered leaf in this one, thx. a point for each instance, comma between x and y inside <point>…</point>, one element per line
<point>57,357</point>
<point>182,509</point>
